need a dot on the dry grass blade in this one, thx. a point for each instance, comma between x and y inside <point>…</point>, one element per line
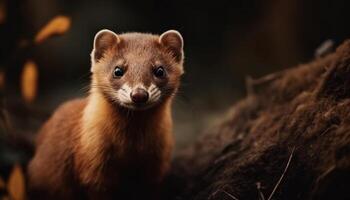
<point>230,195</point>
<point>58,25</point>
<point>281,178</point>
<point>16,185</point>
<point>29,81</point>
<point>258,187</point>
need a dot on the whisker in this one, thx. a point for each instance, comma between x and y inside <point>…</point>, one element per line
<point>153,89</point>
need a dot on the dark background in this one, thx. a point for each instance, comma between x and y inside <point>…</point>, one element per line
<point>225,41</point>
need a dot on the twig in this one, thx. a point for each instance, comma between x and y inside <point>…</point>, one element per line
<point>280,179</point>
<point>230,195</point>
<point>251,83</point>
<point>325,48</point>
<point>329,128</point>
<point>324,174</point>
<point>258,186</point>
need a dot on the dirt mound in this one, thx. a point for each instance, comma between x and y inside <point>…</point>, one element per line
<point>288,139</point>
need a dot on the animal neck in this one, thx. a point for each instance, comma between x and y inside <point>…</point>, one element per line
<point>109,122</point>
<point>111,133</point>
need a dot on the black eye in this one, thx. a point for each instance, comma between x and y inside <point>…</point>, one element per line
<point>118,72</point>
<point>159,72</point>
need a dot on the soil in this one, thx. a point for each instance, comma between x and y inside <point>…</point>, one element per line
<point>288,139</point>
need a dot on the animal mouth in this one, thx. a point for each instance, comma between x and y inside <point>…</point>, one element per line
<point>137,106</point>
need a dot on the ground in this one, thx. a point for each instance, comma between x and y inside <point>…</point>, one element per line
<point>288,139</point>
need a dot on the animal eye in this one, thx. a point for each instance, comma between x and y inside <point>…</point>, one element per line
<point>118,72</point>
<point>159,72</point>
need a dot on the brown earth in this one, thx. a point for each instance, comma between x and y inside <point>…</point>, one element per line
<point>288,139</point>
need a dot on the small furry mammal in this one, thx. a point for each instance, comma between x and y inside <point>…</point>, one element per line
<point>117,142</point>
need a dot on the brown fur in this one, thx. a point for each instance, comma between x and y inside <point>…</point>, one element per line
<point>94,148</point>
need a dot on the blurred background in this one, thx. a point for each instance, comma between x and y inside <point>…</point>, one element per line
<point>45,47</point>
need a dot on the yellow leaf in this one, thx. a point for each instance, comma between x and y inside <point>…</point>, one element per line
<point>29,81</point>
<point>58,25</point>
<point>16,185</point>
<point>2,183</point>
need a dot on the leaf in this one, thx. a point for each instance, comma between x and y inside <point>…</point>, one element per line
<point>2,11</point>
<point>2,79</point>
<point>29,81</point>
<point>58,25</point>
<point>2,183</point>
<point>16,185</point>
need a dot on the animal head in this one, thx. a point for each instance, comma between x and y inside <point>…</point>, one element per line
<point>137,70</point>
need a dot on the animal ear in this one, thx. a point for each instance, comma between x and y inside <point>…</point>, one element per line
<point>104,40</point>
<point>173,41</point>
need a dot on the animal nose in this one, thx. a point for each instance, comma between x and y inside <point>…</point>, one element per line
<point>139,95</point>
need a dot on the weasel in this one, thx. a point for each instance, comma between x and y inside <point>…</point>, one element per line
<point>116,142</point>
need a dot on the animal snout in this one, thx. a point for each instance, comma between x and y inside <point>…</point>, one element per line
<point>139,95</point>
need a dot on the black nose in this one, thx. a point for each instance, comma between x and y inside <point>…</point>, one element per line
<point>139,95</point>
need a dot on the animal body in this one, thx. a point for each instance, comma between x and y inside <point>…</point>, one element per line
<point>116,142</point>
